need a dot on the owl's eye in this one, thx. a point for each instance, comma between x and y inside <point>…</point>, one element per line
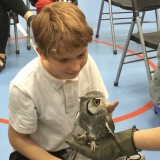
<point>96,102</point>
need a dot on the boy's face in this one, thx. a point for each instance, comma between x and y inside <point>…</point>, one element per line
<point>66,65</point>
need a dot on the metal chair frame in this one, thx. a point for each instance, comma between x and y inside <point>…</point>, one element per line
<point>123,4</point>
<point>144,39</point>
<point>13,18</point>
<point>28,28</point>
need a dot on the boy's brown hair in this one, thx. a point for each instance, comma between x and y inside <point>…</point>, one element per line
<point>61,25</point>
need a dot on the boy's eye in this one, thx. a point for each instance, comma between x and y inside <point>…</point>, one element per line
<point>81,55</point>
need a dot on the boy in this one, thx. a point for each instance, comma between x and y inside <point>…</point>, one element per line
<point>43,99</point>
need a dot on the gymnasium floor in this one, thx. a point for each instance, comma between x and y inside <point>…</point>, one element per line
<point>135,107</point>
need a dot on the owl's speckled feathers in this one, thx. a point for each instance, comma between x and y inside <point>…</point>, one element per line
<point>93,116</point>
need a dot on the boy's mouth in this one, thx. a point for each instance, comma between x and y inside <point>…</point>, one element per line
<point>73,73</point>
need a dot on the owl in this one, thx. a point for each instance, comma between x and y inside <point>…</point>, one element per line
<point>94,118</point>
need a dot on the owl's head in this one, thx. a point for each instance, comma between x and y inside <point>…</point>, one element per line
<point>92,103</point>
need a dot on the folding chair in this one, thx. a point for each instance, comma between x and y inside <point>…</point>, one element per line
<point>28,2</point>
<point>149,40</point>
<point>13,17</point>
<point>125,5</point>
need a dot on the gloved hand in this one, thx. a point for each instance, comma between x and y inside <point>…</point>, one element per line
<point>110,147</point>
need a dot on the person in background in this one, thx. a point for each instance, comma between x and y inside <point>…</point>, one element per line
<point>39,4</point>
<point>154,88</point>
<point>20,8</point>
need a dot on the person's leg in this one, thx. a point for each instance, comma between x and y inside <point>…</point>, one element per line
<point>154,87</point>
<point>4,32</point>
<point>17,6</point>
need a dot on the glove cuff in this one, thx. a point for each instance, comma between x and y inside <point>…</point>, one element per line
<point>126,141</point>
<point>134,130</point>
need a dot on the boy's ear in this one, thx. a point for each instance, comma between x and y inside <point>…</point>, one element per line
<point>40,52</point>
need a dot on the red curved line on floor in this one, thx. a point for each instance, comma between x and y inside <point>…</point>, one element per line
<point>118,119</point>
<point>134,113</point>
<point>124,117</point>
<point>102,42</point>
<point>22,37</point>
<point>130,51</point>
<point>141,56</point>
<point>5,121</point>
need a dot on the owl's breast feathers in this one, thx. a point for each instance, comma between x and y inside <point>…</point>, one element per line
<point>95,125</point>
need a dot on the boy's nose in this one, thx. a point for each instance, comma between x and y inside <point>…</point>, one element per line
<point>75,66</point>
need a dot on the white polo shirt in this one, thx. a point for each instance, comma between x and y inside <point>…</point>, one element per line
<point>45,107</point>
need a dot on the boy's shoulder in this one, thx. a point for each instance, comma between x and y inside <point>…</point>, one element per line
<point>26,72</point>
<point>90,62</point>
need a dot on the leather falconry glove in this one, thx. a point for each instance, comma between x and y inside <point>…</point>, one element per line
<point>110,147</point>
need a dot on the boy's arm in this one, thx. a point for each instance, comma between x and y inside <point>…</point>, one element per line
<point>27,147</point>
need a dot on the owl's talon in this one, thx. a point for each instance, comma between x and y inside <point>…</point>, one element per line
<point>94,119</point>
<point>93,145</point>
<point>82,137</point>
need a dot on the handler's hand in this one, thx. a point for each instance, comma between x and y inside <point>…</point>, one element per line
<point>111,106</point>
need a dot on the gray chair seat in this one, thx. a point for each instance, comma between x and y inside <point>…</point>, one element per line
<point>151,39</point>
<point>124,4</point>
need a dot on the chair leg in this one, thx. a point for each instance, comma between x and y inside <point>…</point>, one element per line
<point>112,27</point>
<point>111,23</point>
<point>144,50</point>
<point>99,20</point>
<point>142,18</point>
<point>28,38</point>
<point>16,38</point>
<point>28,29</point>
<point>157,19</point>
<point>124,53</point>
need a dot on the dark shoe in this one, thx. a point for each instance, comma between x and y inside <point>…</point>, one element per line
<point>156,110</point>
<point>4,62</point>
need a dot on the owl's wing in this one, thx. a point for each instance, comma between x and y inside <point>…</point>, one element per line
<point>110,124</point>
<point>76,121</point>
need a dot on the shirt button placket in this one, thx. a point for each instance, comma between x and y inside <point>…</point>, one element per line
<point>68,97</point>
